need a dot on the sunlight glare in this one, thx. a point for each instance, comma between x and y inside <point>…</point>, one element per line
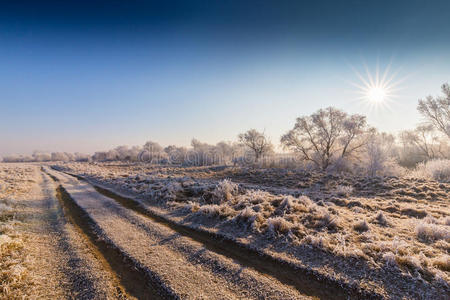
<point>376,94</point>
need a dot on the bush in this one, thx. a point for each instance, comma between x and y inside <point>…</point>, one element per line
<point>361,226</point>
<point>344,190</point>
<point>429,232</point>
<point>279,225</point>
<point>225,190</point>
<point>437,169</point>
<point>246,215</point>
<point>381,219</point>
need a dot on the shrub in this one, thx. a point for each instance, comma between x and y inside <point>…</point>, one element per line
<point>246,215</point>
<point>305,200</point>
<point>324,219</point>
<point>437,169</point>
<point>225,190</point>
<point>257,196</point>
<point>381,219</point>
<point>442,262</point>
<point>344,190</point>
<point>361,226</point>
<point>215,210</point>
<point>317,242</point>
<point>279,225</point>
<point>210,209</point>
<point>431,232</point>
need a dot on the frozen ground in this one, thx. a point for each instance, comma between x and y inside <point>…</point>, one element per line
<point>387,236</point>
<point>117,231</point>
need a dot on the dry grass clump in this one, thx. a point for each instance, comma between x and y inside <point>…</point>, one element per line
<point>290,204</point>
<point>279,225</point>
<point>316,241</point>
<point>249,216</point>
<point>15,278</point>
<point>442,262</point>
<point>409,261</point>
<point>344,190</point>
<point>381,219</point>
<point>361,226</point>
<point>324,219</point>
<point>429,232</point>
<point>246,215</point>
<point>214,210</point>
<point>389,258</point>
<point>257,196</point>
<point>225,190</point>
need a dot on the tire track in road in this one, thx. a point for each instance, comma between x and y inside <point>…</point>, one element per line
<point>61,258</point>
<point>133,279</point>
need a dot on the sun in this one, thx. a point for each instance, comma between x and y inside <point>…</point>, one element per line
<point>376,89</point>
<point>376,94</point>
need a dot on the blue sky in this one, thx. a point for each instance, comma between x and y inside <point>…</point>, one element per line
<point>87,76</point>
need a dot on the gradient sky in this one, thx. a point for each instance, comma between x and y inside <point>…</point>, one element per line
<point>91,75</point>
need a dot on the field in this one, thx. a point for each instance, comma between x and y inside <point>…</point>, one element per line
<point>148,231</point>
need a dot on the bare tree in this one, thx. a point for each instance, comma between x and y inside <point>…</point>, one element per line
<point>379,155</point>
<point>326,135</point>
<point>257,142</point>
<point>423,141</point>
<point>437,110</point>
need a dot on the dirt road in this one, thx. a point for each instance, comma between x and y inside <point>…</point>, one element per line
<point>107,250</point>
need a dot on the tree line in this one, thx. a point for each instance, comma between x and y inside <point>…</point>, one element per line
<point>327,139</point>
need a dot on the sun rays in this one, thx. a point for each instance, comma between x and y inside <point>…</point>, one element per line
<point>377,90</point>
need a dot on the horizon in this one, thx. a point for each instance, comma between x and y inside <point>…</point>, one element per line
<point>91,77</point>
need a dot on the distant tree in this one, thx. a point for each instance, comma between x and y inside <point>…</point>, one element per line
<point>122,153</point>
<point>379,154</point>
<point>224,152</point>
<point>327,135</point>
<point>99,156</point>
<point>257,142</point>
<point>41,156</point>
<point>437,110</point>
<point>176,155</point>
<point>423,141</point>
<point>152,152</point>
<point>59,156</point>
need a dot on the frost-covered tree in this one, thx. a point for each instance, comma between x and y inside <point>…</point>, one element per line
<point>202,154</point>
<point>41,156</point>
<point>257,142</point>
<point>81,157</point>
<point>437,110</point>
<point>422,143</point>
<point>327,135</point>
<point>99,156</point>
<point>152,152</point>
<point>176,155</point>
<point>59,156</point>
<point>379,157</point>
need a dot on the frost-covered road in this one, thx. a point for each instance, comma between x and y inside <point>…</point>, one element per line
<point>152,260</point>
<point>60,260</point>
